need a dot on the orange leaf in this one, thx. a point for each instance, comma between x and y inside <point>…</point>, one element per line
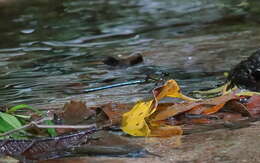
<point>173,110</point>
<point>213,109</point>
<point>208,106</point>
<point>166,131</point>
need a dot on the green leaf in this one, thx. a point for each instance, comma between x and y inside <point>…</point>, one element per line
<point>4,126</point>
<point>23,106</point>
<point>11,120</point>
<point>22,116</point>
<point>51,131</point>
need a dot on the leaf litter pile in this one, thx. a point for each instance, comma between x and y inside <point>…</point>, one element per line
<point>77,130</point>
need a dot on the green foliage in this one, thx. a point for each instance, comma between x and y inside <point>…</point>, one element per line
<point>10,120</point>
<point>51,131</point>
<point>23,106</point>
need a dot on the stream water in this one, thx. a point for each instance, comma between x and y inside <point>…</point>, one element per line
<point>52,49</point>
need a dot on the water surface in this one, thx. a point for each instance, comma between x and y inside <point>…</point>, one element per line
<point>50,48</point>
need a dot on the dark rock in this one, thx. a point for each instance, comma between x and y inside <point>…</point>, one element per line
<point>247,73</point>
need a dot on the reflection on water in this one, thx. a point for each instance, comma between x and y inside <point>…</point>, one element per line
<point>48,47</point>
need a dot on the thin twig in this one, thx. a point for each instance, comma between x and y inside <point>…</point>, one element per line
<point>29,125</point>
<point>133,82</point>
<point>37,124</point>
<point>66,126</point>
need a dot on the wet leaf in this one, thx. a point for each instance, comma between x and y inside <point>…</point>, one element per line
<point>75,112</point>
<point>208,106</point>
<point>173,110</point>
<point>165,130</point>
<point>253,106</point>
<point>114,112</point>
<point>136,121</point>
<point>217,103</point>
<point>237,107</point>
<point>170,89</point>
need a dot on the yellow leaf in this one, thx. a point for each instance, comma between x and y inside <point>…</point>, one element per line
<point>172,89</point>
<point>134,122</point>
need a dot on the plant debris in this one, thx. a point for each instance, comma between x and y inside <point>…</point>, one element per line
<point>151,118</point>
<point>130,60</point>
<point>75,112</point>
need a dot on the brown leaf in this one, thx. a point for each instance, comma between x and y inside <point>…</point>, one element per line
<point>115,111</point>
<point>217,103</point>
<point>173,110</point>
<point>208,106</point>
<point>75,112</point>
<point>166,131</point>
<point>253,106</point>
<point>236,106</point>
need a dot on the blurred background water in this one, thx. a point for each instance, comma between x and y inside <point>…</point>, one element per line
<point>51,47</point>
